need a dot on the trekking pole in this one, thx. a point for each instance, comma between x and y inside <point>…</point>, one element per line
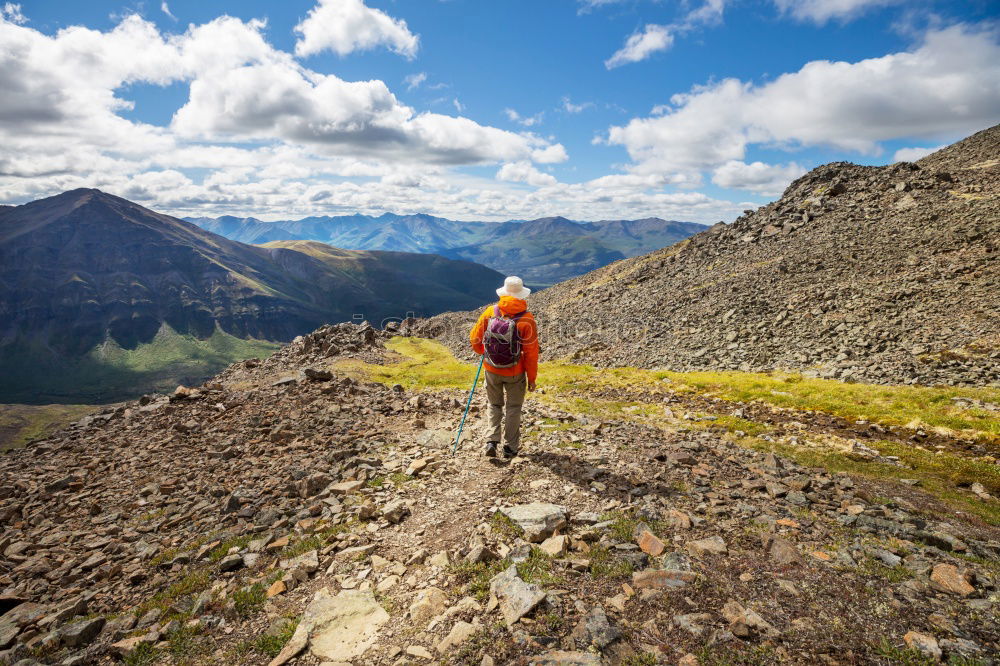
<point>467,403</point>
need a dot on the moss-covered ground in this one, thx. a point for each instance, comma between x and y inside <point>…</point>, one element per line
<point>427,364</point>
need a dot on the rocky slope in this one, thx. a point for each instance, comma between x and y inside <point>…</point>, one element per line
<point>881,274</point>
<point>283,513</point>
<point>85,267</point>
<point>542,251</point>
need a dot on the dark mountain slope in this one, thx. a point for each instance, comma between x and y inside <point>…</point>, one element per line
<point>85,269</point>
<point>407,281</point>
<point>886,274</point>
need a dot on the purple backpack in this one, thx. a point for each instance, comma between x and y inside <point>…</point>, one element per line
<point>501,341</point>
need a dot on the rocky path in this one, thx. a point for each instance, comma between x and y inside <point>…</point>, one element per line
<point>284,514</point>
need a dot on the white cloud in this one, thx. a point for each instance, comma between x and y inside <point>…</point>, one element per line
<point>570,107</point>
<point>279,100</point>
<point>345,26</point>
<point>550,154</point>
<point>913,154</point>
<point>524,172</point>
<point>12,12</point>
<point>458,105</point>
<point>653,38</point>
<point>527,121</point>
<point>936,88</point>
<point>641,45</point>
<point>821,11</point>
<point>165,8</point>
<point>709,13</point>
<point>414,80</point>
<point>758,177</point>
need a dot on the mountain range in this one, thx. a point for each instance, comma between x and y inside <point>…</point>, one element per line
<point>88,280</point>
<point>887,274</point>
<point>543,251</point>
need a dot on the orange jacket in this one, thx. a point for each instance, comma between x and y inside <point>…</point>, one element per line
<point>526,330</point>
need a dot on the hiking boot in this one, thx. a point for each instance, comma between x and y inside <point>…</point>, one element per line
<point>508,451</point>
<point>491,449</point>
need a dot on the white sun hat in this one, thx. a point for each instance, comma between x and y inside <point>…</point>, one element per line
<point>513,286</point>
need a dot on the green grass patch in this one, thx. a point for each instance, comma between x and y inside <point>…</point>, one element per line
<point>426,364</point>
<point>222,549</point>
<point>272,644</point>
<point>20,424</point>
<point>901,656</point>
<point>249,600</point>
<point>872,567</point>
<point>192,583</point>
<point>504,526</point>
<point>476,577</point>
<point>939,474</point>
<point>604,564</point>
<point>758,655</point>
<point>641,659</point>
<point>399,478</point>
<point>165,555</point>
<point>429,364</point>
<point>538,569</point>
<point>30,373</point>
<point>888,405</point>
<point>183,644</point>
<point>143,655</point>
<point>302,546</point>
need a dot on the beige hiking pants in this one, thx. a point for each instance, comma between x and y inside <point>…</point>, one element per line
<point>509,408</point>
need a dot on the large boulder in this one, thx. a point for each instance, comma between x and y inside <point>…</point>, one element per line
<point>337,628</point>
<point>538,520</point>
<point>516,597</point>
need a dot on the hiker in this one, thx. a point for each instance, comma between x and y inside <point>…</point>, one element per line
<point>508,337</point>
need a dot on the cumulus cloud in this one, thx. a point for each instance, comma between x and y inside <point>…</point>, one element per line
<point>948,84</point>
<point>524,172</point>
<point>550,154</point>
<point>758,177</point>
<point>270,134</point>
<point>642,44</point>
<point>165,8</point>
<point>345,26</point>
<point>415,80</point>
<point>913,154</point>
<point>821,11</point>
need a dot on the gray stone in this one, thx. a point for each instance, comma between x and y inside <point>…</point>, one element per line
<point>337,628</point>
<point>710,546</point>
<point>594,629</point>
<point>394,512</point>
<point>516,597</point>
<point>80,634</point>
<point>231,562</point>
<point>306,562</point>
<point>539,520</point>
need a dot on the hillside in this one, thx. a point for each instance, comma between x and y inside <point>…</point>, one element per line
<point>881,274</point>
<point>542,251</point>
<point>318,516</point>
<point>101,298</point>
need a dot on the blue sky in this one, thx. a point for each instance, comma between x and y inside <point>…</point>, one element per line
<point>593,109</point>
